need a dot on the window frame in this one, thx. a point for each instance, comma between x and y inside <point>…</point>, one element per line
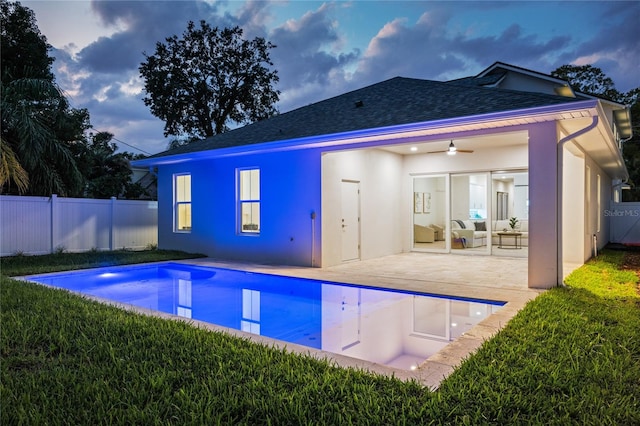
<point>177,204</point>
<point>251,200</point>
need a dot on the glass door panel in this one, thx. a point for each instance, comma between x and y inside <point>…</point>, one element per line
<point>510,199</point>
<point>429,213</point>
<point>470,213</point>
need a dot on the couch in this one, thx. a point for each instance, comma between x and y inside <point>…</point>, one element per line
<point>503,225</point>
<point>474,232</point>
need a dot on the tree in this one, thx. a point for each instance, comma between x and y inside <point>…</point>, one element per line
<point>24,49</point>
<point>631,148</point>
<point>32,110</point>
<point>106,173</point>
<point>199,83</point>
<point>44,144</point>
<point>11,170</point>
<point>180,141</point>
<point>37,122</point>
<point>591,80</point>
<point>588,79</point>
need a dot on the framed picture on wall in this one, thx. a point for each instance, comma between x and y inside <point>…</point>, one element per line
<point>426,202</point>
<point>418,202</point>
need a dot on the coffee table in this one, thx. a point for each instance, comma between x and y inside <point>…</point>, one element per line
<point>517,237</point>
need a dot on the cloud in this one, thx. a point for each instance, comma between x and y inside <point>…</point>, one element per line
<point>315,60</point>
<point>103,76</point>
<point>309,62</point>
<point>406,49</point>
<point>253,17</point>
<point>615,47</point>
<point>433,48</point>
<point>144,23</point>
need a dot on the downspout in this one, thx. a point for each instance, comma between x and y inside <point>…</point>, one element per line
<point>560,157</point>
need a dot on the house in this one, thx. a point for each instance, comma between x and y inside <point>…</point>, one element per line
<point>405,165</point>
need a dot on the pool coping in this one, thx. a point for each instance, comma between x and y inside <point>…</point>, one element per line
<point>430,373</point>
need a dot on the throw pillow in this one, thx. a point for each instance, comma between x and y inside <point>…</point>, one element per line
<point>460,223</point>
<point>480,226</point>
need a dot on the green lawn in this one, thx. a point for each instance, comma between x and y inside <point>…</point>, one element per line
<point>571,356</point>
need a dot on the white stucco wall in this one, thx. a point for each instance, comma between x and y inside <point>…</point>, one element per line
<point>586,194</point>
<point>543,219</point>
<point>573,198</point>
<point>600,198</point>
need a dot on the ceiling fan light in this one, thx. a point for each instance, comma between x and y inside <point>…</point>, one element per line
<point>452,149</point>
<point>451,152</point>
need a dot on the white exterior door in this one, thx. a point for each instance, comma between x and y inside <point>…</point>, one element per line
<point>350,220</point>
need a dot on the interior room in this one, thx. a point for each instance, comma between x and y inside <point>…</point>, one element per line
<point>483,208</point>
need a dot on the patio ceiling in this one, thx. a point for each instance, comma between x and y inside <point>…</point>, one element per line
<point>473,143</point>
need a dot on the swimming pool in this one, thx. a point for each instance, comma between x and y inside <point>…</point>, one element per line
<point>390,327</point>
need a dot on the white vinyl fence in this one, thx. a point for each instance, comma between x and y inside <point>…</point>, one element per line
<point>624,219</point>
<point>39,225</point>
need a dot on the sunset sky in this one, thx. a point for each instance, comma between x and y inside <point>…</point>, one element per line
<point>327,48</point>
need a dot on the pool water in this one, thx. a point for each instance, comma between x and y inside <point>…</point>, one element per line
<point>395,328</point>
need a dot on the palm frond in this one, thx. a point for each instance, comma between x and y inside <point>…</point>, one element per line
<point>11,170</point>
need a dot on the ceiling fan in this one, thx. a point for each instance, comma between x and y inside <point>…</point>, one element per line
<point>452,150</point>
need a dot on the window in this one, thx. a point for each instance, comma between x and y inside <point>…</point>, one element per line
<point>249,198</point>
<point>182,202</point>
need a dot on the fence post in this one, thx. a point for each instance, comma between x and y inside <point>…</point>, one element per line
<point>111,224</point>
<point>54,220</point>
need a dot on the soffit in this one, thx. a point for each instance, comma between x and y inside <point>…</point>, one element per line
<point>599,144</point>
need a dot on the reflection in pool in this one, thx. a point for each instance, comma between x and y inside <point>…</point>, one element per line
<point>394,328</point>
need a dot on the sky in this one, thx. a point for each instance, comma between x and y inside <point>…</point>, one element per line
<point>328,48</point>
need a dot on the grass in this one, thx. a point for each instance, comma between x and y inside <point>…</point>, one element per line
<point>572,356</point>
<point>62,261</point>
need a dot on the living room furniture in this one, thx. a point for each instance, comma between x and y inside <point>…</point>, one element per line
<point>503,226</point>
<point>438,232</point>
<point>423,234</point>
<point>458,242</point>
<point>517,236</point>
<point>471,231</point>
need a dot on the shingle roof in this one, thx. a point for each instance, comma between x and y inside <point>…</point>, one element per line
<point>487,80</point>
<point>391,102</point>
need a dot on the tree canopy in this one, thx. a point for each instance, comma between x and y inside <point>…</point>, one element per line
<point>210,77</point>
<point>588,79</point>
<point>24,49</point>
<point>43,139</point>
<point>33,110</point>
<point>106,173</point>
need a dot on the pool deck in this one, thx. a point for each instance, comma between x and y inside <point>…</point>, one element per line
<point>481,277</point>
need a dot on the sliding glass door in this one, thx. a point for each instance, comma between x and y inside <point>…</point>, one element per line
<point>429,213</point>
<point>464,213</point>
<point>510,199</point>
